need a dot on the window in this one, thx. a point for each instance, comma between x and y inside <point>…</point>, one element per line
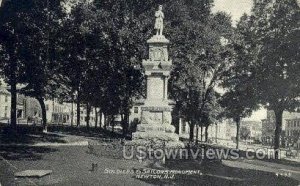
<point>47,107</point>
<point>5,112</point>
<point>19,113</point>
<point>136,110</point>
<point>183,127</point>
<point>6,98</point>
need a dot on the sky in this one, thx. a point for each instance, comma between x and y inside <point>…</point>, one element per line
<point>236,8</point>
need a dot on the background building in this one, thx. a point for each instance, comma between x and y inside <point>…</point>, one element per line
<point>255,128</point>
<point>4,104</point>
<point>29,110</point>
<point>292,132</point>
<point>269,125</point>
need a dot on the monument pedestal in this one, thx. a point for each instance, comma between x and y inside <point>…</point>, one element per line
<point>156,112</point>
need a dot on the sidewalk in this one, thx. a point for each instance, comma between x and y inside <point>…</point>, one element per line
<point>293,159</point>
<point>273,167</point>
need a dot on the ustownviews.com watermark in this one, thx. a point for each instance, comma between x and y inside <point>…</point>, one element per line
<point>142,152</point>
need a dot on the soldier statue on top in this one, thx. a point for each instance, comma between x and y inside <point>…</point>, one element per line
<point>159,20</point>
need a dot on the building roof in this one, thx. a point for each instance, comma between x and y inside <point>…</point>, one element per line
<point>138,101</point>
<point>293,119</point>
<point>3,90</point>
<point>290,115</point>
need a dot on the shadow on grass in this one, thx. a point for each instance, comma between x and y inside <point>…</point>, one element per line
<point>27,135</point>
<point>86,132</point>
<point>215,173</point>
<point>20,153</point>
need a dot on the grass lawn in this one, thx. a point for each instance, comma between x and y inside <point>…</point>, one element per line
<point>33,134</point>
<point>72,165</point>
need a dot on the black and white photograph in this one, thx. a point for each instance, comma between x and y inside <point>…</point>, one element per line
<point>149,92</point>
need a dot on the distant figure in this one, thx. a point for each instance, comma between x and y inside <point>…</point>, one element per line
<point>159,20</point>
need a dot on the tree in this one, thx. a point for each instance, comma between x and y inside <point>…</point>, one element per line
<point>41,79</point>
<point>124,39</point>
<point>237,105</point>
<point>34,49</point>
<point>11,49</point>
<point>101,80</point>
<point>276,50</point>
<point>211,113</point>
<point>199,58</point>
<point>239,99</point>
<point>78,41</point>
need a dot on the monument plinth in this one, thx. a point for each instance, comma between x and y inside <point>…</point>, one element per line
<point>156,111</point>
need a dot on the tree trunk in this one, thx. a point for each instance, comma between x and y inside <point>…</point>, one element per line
<point>88,112</point>
<point>105,121</point>
<point>278,130</point>
<point>217,128</point>
<point>13,103</point>
<point>78,109</point>
<point>13,86</point>
<point>201,133</point>
<point>206,133</point>
<point>175,119</point>
<point>125,124</point>
<point>197,134</point>
<point>122,122</point>
<point>192,125</point>
<point>72,112</point>
<point>100,123</point>
<point>44,115</point>
<point>112,124</point>
<point>238,121</point>
<point>96,117</point>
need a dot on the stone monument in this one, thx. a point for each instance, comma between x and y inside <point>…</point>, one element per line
<point>156,110</point>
